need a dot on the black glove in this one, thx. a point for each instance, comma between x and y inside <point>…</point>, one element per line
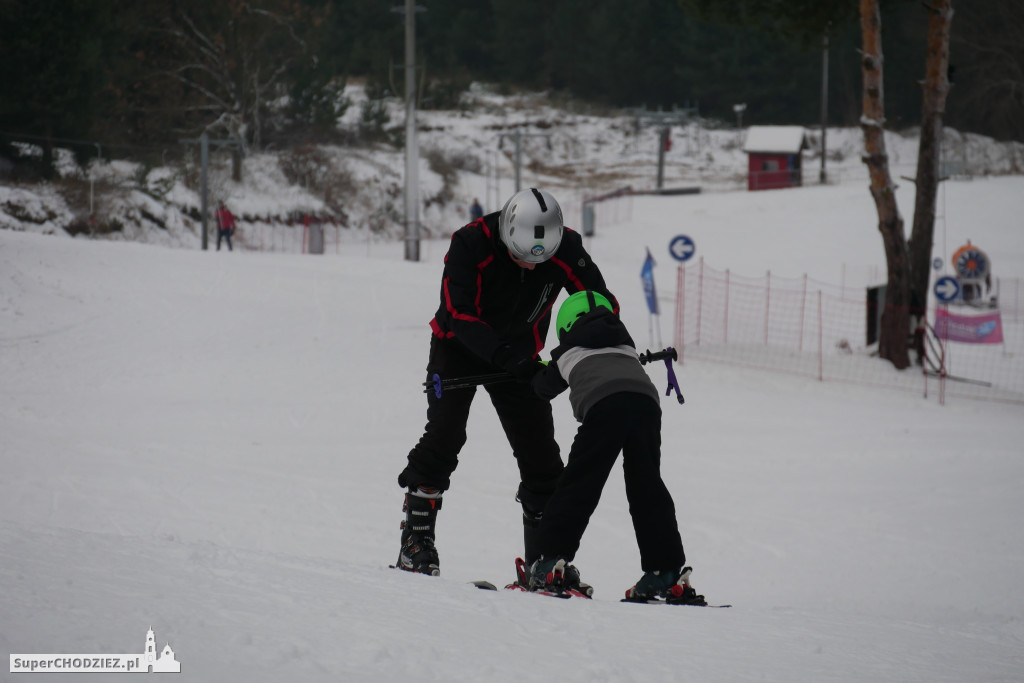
<point>523,368</point>
<point>548,383</point>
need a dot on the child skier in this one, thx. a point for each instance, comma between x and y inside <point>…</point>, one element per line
<point>618,406</point>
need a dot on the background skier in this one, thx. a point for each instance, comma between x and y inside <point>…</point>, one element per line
<point>225,224</point>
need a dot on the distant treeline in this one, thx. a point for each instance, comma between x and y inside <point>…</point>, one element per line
<point>147,73</point>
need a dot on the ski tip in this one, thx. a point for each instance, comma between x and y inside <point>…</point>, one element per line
<point>484,585</point>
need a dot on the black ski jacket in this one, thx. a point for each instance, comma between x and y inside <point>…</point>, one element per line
<point>488,301</point>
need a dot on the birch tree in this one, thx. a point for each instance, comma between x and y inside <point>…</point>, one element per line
<point>908,263</point>
<point>895,325</point>
<point>936,88</point>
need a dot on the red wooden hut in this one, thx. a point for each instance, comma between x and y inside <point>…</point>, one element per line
<point>774,156</point>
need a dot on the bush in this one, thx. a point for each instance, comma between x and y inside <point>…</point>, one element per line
<point>315,169</point>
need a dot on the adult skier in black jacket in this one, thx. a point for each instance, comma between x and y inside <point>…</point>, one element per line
<point>502,275</point>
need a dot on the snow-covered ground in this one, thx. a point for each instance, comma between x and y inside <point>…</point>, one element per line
<point>207,444</point>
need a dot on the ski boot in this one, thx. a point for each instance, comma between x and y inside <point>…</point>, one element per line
<point>672,586</point>
<point>531,529</point>
<point>418,553</point>
<point>555,576</point>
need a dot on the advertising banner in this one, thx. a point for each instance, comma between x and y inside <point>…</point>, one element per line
<point>969,329</point>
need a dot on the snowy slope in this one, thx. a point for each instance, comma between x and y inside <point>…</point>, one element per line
<point>207,444</point>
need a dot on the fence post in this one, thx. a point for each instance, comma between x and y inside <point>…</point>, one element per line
<point>725,334</point>
<point>680,310</point>
<point>700,298</point>
<point>803,303</point>
<point>821,362</point>
<point>767,303</point>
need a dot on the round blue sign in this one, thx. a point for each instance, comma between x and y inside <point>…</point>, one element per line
<point>682,248</point>
<point>946,289</point>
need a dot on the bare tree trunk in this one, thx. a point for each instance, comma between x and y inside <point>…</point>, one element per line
<point>894,334</point>
<point>936,87</point>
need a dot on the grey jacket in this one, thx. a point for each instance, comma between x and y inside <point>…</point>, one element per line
<point>595,359</point>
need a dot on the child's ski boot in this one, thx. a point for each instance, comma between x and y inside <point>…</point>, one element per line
<point>554,576</point>
<point>672,586</point>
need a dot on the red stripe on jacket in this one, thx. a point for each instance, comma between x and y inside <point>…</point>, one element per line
<point>476,301</point>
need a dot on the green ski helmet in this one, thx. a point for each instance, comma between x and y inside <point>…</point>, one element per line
<point>578,304</point>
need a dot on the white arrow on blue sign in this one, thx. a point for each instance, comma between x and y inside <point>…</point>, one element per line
<point>681,247</point>
<point>946,289</point>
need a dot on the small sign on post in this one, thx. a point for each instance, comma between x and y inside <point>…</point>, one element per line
<point>682,248</point>
<point>947,289</point>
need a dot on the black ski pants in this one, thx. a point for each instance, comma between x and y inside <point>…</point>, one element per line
<point>630,423</point>
<point>524,416</point>
<point>223,235</point>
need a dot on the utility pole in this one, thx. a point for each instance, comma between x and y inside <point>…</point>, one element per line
<point>204,143</point>
<point>493,181</point>
<point>204,154</point>
<point>663,142</point>
<point>679,116</point>
<point>412,195</point>
<point>517,140</point>
<point>92,185</point>
<point>822,176</point>
<point>739,109</point>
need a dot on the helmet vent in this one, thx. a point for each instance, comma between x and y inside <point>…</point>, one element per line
<point>540,199</point>
<point>538,232</point>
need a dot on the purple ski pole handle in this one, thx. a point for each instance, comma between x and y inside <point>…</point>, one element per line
<point>673,383</point>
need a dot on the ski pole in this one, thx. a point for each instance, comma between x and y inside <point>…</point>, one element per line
<point>665,354</point>
<point>669,356</point>
<point>438,385</point>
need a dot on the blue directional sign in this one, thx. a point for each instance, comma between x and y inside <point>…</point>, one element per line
<point>946,289</point>
<point>681,247</point>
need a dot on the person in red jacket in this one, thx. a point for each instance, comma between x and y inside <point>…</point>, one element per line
<point>225,225</point>
<point>502,275</point>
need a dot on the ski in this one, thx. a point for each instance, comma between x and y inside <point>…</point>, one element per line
<point>564,595</point>
<point>520,584</point>
<point>662,601</point>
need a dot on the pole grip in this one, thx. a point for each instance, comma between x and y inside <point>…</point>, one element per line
<point>648,356</point>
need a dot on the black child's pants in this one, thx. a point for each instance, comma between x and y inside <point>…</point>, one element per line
<point>630,423</point>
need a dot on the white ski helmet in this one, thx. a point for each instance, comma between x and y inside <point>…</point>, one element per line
<point>530,225</point>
